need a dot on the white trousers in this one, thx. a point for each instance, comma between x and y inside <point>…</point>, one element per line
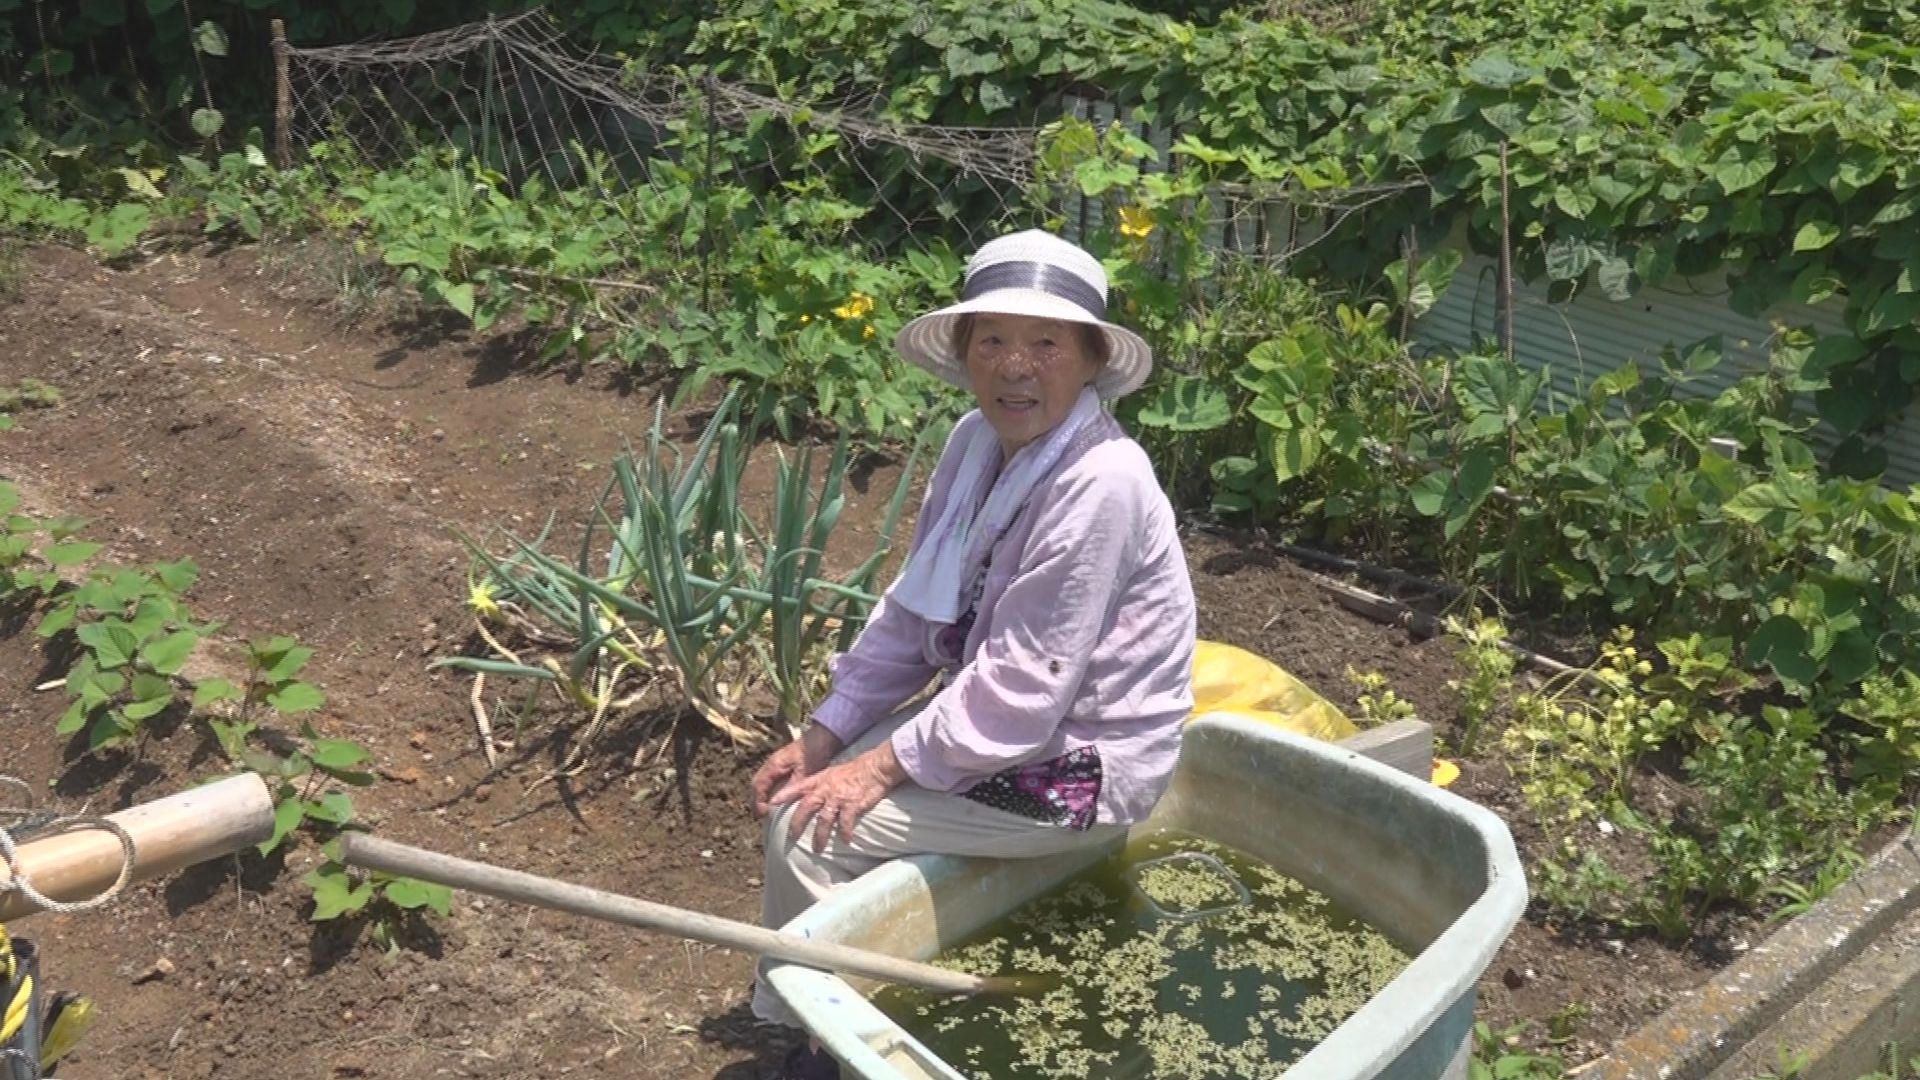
<point>911,820</point>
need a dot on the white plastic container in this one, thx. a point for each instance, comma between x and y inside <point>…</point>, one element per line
<point>1434,872</point>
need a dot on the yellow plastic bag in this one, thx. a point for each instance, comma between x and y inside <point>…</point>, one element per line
<point>1233,680</point>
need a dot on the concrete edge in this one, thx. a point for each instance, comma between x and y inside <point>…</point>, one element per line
<point>1841,1030</point>
<point>1708,1024</point>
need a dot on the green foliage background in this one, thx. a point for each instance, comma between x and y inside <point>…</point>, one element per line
<point>1622,142</point>
<point>1773,140</point>
<point>1777,140</point>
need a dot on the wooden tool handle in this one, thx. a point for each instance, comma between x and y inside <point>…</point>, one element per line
<point>168,834</point>
<point>373,853</point>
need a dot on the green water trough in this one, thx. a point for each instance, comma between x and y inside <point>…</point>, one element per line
<point>1436,873</point>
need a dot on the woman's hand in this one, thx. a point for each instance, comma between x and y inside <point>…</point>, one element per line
<point>799,759</point>
<point>838,797</point>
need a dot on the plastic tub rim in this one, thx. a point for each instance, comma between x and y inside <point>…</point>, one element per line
<point>1444,971</point>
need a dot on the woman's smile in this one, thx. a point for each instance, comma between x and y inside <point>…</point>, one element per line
<point>1027,374</point>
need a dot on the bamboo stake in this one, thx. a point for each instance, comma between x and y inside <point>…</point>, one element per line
<point>282,97</point>
<point>1506,256</point>
<point>200,65</point>
<point>168,834</point>
<point>1385,574</point>
<point>386,856</point>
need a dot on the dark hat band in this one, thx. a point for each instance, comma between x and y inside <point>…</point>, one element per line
<point>1042,277</point>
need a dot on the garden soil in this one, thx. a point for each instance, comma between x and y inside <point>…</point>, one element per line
<point>319,475</point>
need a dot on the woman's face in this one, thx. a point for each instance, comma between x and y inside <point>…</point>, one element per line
<point>1027,373</point>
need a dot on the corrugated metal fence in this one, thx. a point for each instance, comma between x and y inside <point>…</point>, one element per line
<point>1590,335</point>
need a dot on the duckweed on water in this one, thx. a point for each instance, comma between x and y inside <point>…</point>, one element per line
<point>1239,993</point>
<point>1185,886</point>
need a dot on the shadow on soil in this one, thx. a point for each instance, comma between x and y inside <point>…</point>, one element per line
<point>501,357</point>
<point>245,871</point>
<point>419,331</point>
<point>129,771</point>
<point>15,615</point>
<point>337,940</point>
<point>496,357</point>
<point>739,1030</point>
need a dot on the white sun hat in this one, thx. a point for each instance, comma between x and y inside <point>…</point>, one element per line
<point>1030,273</point>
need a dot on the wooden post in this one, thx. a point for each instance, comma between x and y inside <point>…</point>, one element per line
<point>168,834</point>
<point>282,97</point>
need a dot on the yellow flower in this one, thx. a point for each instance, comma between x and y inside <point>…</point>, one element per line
<point>480,599</point>
<point>867,332</point>
<point>805,319</point>
<point>857,305</point>
<point>1136,222</point>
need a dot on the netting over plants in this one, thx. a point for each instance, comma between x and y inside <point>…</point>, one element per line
<point>736,231</point>
<point>522,100</point>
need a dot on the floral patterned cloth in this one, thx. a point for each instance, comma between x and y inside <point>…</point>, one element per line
<point>1059,791</point>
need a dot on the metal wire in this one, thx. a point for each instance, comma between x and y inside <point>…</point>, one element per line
<point>530,104</point>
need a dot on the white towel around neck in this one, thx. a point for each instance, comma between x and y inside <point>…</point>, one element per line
<point>936,581</point>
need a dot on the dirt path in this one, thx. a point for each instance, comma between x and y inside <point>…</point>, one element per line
<point>318,476</point>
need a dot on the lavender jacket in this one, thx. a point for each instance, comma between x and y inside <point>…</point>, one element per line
<point>1084,636</point>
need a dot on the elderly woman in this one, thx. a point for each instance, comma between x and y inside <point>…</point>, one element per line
<point>1046,592</point>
